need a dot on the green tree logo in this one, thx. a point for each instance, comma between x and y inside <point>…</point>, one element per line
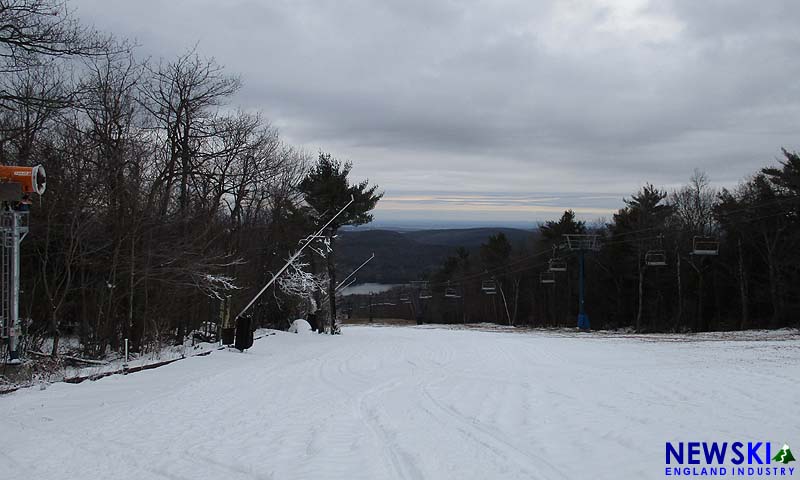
<point>784,456</point>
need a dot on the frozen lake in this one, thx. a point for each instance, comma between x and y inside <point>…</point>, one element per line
<point>412,403</point>
<point>366,288</point>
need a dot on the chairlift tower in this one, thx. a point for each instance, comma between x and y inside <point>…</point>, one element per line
<point>420,292</point>
<point>702,247</point>
<point>581,244</point>
<point>16,185</point>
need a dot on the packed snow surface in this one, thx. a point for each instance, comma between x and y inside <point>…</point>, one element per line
<point>411,403</point>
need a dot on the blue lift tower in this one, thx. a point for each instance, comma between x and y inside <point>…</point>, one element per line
<point>582,243</point>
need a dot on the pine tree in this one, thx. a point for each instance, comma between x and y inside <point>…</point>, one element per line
<point>327,189</point>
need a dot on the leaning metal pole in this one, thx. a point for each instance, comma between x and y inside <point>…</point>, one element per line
<point>342,285</point>
<point>293,258</point>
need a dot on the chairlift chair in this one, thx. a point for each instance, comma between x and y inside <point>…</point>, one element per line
<point>451,292</point>
<point>489,287</point>
<point>423,291</point>
<point>655,258</point>
<point>547,278</point>
<point>705,246</point>
<point>557,265</point>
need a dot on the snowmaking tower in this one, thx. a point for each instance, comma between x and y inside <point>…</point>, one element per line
<point>17,184</point>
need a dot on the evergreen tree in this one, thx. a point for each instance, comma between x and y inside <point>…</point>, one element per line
<point>553,232</point>
<point>787,176</point>
<point>496,251</point>
<point>327,189</point>
<point>641,222</point>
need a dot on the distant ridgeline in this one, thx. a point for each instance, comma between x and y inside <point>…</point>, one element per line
<point>402,257</point>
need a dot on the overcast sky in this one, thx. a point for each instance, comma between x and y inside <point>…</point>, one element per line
<point>504,111</point>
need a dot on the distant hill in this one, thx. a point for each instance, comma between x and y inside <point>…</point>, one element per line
<point>468,237</point>
<point>401,257</point>
<point>398,258</point>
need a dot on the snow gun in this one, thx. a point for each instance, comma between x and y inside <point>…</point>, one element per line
<point>32,179</point>
<point>16,185</point>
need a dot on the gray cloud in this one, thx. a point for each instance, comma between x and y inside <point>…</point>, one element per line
<point>506,96</point>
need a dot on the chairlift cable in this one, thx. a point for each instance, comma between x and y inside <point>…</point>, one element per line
<point>615,241</point>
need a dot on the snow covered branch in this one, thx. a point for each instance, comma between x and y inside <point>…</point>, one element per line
<point>299,282</point>
<point>215,285</point>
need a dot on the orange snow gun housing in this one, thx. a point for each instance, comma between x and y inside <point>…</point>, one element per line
<point>32,179</point>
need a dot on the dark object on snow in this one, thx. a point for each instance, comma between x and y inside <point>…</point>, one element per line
<point>228,335</point>
<point>312,320</point>
<point>244,334</point>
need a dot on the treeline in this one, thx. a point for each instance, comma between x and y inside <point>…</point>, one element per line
<point>162,197</point>
<point>647,274</point>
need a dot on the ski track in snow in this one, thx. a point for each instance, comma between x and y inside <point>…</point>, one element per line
<point>410,404</point>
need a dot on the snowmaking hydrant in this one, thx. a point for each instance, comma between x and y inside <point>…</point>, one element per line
<point>17,184</point>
